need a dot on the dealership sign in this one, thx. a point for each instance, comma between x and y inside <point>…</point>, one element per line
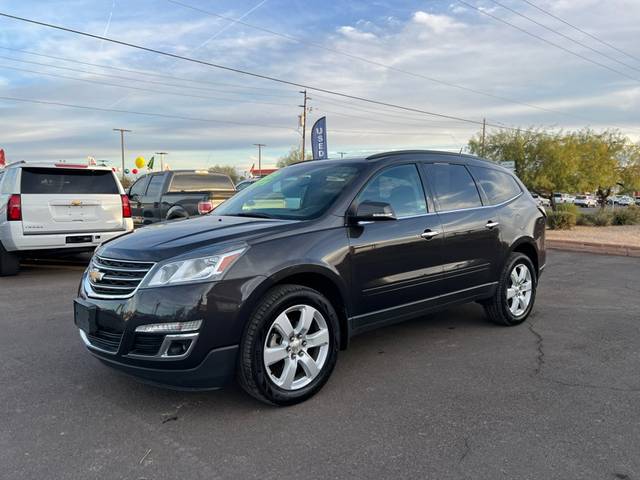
<point>319,139</point>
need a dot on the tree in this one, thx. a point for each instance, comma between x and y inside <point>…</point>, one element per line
<point>579,161</point>
<point>226,170</point>
<point>293,156</point>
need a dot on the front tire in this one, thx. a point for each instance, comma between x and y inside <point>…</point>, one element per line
<point>515,294</point>
<point>289,347</point>
<point>9,263</point>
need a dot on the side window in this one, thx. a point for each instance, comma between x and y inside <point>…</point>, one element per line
<point>453,187</point>
<point>140,186</point>
<point>398,186</point>
<point>155,186</point>
<point>498,186</point>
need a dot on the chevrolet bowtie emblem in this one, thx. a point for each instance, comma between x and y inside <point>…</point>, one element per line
<point>95,275</point>
<point>76,203</point>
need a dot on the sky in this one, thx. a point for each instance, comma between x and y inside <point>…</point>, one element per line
<point>442,57</point>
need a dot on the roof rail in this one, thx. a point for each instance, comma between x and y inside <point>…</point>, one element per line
<point>376,156</point>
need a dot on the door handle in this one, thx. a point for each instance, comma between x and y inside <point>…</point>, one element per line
<point>429,234</point>
<point>491,224</point>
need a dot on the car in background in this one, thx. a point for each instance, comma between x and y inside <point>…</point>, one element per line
<point>586,201</point>
<point>559,198</point>
<point>541,201</point>
<point>638,201</point>
<point>620,200</point>
<point>245,183</point>
<point>58,207</point>
<point>175,194</point>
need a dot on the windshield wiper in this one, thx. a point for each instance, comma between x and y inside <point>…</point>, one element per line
<point>250,214</point>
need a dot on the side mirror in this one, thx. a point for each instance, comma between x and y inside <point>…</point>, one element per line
<point>369,211</point>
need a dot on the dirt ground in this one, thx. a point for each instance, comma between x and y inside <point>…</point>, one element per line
<point>628,235</point>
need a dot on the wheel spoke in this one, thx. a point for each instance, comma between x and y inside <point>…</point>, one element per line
<point>309,366</point>
<point>522,274</point>
<point>511,292</point>
<point>306,319</point>
<point>319,338</point>
<point>275,354</point>
<point>283,325</point>
<point>288,372</point>
<point>514,277</point>
<point>514,305</point>
<point>526,287</point>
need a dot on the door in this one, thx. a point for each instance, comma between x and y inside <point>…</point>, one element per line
<point>396,264</point>
<point>69,200</point>
<point>136,194</point>
<point>471,229</point>
<point>150,204</point>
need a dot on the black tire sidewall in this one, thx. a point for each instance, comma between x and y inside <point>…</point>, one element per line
<point>272,392</point>
<point>514,259</point>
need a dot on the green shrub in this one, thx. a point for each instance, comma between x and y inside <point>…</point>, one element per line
<point>602,218</point>
<point>561,220</point>
<point>626,216</point>
<point>568,207</point>
<point>586,220</point>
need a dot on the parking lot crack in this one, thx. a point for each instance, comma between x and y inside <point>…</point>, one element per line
<point>466,450</point>
<point>172,416</point>
<point>539,348</point>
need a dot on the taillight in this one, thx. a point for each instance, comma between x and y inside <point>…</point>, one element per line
<point>14,208</point>
<point>126,207</point>
<point>205,207</point>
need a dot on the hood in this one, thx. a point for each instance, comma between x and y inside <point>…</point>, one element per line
<point>161,241</point>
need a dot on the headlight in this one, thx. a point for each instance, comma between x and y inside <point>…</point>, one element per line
<point>194,269</point>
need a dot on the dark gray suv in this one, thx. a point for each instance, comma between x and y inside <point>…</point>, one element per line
<point>275,281</point>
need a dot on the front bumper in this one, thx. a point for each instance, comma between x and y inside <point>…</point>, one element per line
<point>210,362</point>
<point>215,371</point>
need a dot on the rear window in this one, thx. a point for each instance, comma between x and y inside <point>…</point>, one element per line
<point>60,180</point>
<point>498,186</point>
<point>200,182</point>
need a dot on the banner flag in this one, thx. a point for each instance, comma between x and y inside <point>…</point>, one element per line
<point>319,139</point>
<point>3,161</point>
<point>150,164</point>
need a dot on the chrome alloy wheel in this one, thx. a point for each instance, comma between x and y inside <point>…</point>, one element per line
<point>519,290</point>
<point>296,347</point>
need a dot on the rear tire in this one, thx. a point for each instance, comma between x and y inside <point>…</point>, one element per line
<point>515,294</point>
<point>9,263</point>
<point>289,347</point>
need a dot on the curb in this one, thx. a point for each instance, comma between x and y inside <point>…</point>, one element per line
<point>594,247</point>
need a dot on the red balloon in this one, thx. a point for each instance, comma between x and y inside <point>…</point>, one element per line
<point>113,168</point>
<point>134,171</point>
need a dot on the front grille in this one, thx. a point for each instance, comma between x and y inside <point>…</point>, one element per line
<point>147,343</point>
<point>107,340</point>
<point>116,278</point>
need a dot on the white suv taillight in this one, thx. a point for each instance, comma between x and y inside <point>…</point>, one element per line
<point>205,207</point>
<point>14,208</point>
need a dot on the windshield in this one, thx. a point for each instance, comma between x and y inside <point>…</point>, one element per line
<point>298,192</point>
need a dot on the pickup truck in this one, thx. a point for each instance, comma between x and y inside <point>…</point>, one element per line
<point>170,195</point>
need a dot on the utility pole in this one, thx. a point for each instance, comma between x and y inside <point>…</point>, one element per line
<point>162,154</point>
<point>484,129</point>
<point>260,145</point>
<point>303,120</point>
<point>122,131</point>
<point>342,154</point>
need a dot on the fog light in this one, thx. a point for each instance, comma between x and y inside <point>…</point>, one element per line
<point>178,347</point>
<point>173,327</point>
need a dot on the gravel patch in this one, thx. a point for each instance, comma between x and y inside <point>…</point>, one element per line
<point>628,235</point>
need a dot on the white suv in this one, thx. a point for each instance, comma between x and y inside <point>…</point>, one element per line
<point>586,201</point>
<point>50,207</point>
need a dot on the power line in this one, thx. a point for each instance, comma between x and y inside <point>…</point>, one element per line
<point>371,62</point>
<point>164,76</point>
<point>131,87</point>
<point>249,73</point>
<point>146,114</point>
<point>571,39</point>
<point>594,37</point>
<point>549,42</point>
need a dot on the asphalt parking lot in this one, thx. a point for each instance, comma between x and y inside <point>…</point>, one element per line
<point>445,396</point>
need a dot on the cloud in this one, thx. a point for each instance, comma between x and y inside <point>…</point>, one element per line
<point>436,23</point>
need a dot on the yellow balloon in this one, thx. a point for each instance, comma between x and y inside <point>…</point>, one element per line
<point>140,162</point>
